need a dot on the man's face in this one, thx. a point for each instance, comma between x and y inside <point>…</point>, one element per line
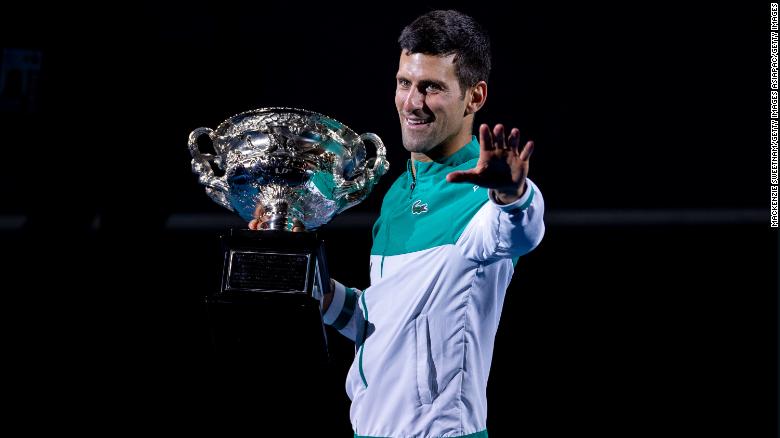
<point>429,102</point>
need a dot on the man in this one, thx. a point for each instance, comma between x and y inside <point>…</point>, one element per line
<point>449,233</point>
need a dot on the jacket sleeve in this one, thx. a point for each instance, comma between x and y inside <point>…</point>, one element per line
<point>344,314</point>
<point>503,231</point>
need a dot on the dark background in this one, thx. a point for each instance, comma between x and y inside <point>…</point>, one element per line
<point>649,308</point>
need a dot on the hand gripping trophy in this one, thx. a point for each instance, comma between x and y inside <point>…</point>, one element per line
<point>299,169</point>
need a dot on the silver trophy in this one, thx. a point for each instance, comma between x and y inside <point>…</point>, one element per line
<point>299,169</point>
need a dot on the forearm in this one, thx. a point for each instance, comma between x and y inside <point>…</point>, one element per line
<point>340,309</point>
<point>505,230</point>
<point>520,224</point>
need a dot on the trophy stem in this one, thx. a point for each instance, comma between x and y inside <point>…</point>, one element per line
<point>278,220</point>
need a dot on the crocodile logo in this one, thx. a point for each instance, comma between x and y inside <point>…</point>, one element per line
<point>418,207</point>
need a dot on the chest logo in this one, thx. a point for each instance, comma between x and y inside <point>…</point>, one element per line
<point>418,207</point>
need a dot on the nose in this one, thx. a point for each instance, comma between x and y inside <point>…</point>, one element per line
<point>414,100</point>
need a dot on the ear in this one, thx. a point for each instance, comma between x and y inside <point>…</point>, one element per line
<point>475,97</point>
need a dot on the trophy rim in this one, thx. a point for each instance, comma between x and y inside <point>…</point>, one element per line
<point>222,127</point>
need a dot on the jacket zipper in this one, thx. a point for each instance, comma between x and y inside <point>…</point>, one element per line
<point>414,183</point>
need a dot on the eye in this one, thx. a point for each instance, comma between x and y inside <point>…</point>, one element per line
<point>432,88</point>
<point>403,83</point>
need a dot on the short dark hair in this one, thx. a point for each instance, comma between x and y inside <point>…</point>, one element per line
<point>442,33</point>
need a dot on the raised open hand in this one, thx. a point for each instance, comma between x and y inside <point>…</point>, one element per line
<point>502,165</point>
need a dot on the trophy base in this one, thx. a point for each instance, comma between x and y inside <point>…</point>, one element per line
<point>272,262</point>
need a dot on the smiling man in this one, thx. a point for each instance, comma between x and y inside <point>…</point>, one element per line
<point>450,231</point>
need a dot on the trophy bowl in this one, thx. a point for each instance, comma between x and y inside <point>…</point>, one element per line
<point>296,167</point>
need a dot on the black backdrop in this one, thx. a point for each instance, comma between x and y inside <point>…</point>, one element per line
<point>650,307</point>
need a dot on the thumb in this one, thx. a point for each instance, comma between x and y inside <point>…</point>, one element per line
<point>462,176</point>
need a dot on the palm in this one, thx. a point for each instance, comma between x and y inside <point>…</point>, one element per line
<point>502,165</point>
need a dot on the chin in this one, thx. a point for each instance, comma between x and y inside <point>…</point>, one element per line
<point>418,146</point>
<point>420,149</point>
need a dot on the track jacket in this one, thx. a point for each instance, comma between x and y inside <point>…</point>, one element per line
<point>442,258</point>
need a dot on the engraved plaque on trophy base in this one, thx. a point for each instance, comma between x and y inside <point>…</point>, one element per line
<point>272,262</point>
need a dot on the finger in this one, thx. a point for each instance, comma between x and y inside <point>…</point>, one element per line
<point>253,224</point>
<point>259,211</point>
<point>485,138</point>
<point>528,149</point>
<point>498,137</point>
<point>462,176</point>
<point>514,138</point>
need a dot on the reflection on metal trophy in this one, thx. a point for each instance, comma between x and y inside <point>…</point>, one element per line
<point>301,169</point>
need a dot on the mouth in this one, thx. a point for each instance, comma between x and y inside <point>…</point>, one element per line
<point>416,123</point>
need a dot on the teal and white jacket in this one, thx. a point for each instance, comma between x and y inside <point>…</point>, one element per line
<point>442,258</point>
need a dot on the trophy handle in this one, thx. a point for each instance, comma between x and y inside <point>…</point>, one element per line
<point>216,187</point>
<point>380,162</point>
